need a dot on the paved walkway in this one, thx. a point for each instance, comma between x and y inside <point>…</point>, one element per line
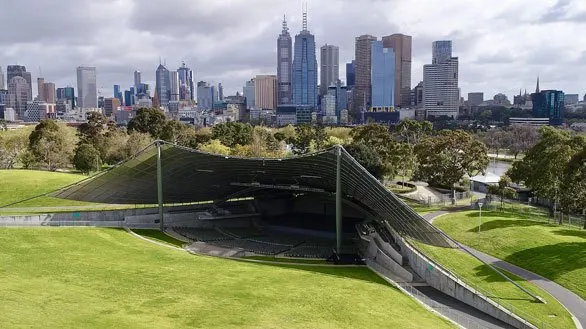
<point>573,302</point>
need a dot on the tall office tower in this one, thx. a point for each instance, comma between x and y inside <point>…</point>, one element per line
<point>350,74</point>
<point>20,71</point>
<point>265,92</point>
<point>118,93</point>
<point>441,96</point>
<point>475,99</point>
<point>383,76</point>
<point>442,51</point>
<point>41,89</point>
<point>2,85</point>
<point>284,65</point>
<point>220,92</point>
<point>304,68</point>
<point>18,95</point>
<point>248,92</point>
<point>402,45</point>
<point>549,104</point>
<point>66,94</point>
<point>49,93</point>
<point>187,91</point>
<point>174,86</point>
<point>361,92</point>
<point>87,88</point>
<point>163,85</point>
<point>137,81</point>
<point>329,67</point>
<point>205,96</point>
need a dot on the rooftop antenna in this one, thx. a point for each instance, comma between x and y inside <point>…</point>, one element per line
<point>285,28</point>
<point>304,6</point>
<point>40,72</point>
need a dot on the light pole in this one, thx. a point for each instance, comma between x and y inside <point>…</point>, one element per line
<point>480,204</point>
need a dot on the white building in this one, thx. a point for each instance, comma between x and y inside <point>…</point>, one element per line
<point>441,95</point>
<point>174,86</point>
<point>328,104</point>
<point>9,114</point>
<point>87,88</point>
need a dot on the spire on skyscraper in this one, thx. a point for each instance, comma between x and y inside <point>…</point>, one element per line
<point>285,28</point>
<point>537,88</point>
<point>305,17</point>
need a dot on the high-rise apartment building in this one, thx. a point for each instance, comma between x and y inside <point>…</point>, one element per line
<point>361,91</point>
<point>18,95</point>
<point>284,66</point>
<point>304,68</point>
<point>174,86</point>
<point>249,93</point>
<point>163,85</point>
<point>329,67</point>
<point>137,81</point>
<point>49,93</point>
<point>186,86</point>
<point>41,89</point>
<point>67,95</point>
<point>20,71</point>
<point>383,76</point>
<point>111,105</point>
<point>401,44</point>
<point>2,84</point>
<point>265,92</point>
<point>350,74</point>
<point>441,96</point>
<point>87,88</point>
<point>220,92</point>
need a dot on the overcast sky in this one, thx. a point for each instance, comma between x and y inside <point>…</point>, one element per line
<point>502,45</point>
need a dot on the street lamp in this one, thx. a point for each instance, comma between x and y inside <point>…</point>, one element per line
<point>480,204</point>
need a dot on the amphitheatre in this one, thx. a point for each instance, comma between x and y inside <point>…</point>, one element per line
<point>312,241</point>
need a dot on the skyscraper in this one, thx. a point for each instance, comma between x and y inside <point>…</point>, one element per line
<point>49,93</point>
<point>20,71</point>
<point>137,81</point>
<point>205,96</point>
<point>442,51</point>
<point>304,68</point>
<point>118,93</point>
<point>174,86</point>
<point>41,89</point>
<point>163,85</point>
<point>2,85</point>
<point>249,94</point>
<point>18,95</point>
<point>87,88</point>
<point>383,76</point>
<point>549,104</point>
<point>186,87</point>
<point>220,92</point>
<point>402,45</point>
<point>66,94</point>
<point>265,90</point>
<point>361,92</point>
<point>441,95</point>
<point>284,66</point>
<point>329,67</point>
<point>350,74</point>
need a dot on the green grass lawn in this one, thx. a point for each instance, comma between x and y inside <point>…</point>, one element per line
<point>555,252</point>
<point>475,273</point>
<point>159,236</point>
<point>18,185</point>
<point>106,278</point>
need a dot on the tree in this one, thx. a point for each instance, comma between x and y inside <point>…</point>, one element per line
<point>51,144</point>
<point>12,146</point>
<point>522,138</point>
<point>136,142</point>
<point>86,158</point>
<point>503,189</point>
<point>149,121</point>
<point>92,131</point>
<point>301,143</point>
<point>574,185</point>
<point>378,138</point>
<point>233,133</point>
<point>543,167</point>
<point>445,158</point>
<point>368,158</point>
<point>215,147</point>
<point>411,131</point>
<point>497,139</point>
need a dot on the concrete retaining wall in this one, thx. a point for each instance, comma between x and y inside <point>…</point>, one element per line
<point>388,249</point>
<point>449,284</point>
<point>374,253</point>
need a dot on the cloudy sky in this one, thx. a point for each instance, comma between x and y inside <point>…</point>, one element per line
<point>502,44</point>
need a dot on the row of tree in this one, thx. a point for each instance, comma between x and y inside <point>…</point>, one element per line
<point>555,169</point>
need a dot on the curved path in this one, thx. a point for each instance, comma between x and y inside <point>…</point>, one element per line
<point>575,305</point>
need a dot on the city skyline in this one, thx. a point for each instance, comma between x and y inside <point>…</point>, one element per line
<point>489,70</point>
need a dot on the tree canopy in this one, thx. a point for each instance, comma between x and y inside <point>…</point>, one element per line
<point>150,121</point>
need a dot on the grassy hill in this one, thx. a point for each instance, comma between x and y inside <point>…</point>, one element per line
<point>104,278</point>
<point>555,252</point>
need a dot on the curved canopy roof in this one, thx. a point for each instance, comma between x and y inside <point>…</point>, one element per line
<point>190,176</point>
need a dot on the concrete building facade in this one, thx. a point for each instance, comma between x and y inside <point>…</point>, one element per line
<point>329,67</point>
<point>87,89</point>
<point>265,92</point>
<point>402,46</point>
<point>362,91</point>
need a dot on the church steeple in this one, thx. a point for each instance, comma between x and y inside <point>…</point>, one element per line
<point>537,90</point>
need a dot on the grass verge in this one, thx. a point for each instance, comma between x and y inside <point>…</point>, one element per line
<point>105,278</point>
<point>526,240</point>
<point>159,236</point>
